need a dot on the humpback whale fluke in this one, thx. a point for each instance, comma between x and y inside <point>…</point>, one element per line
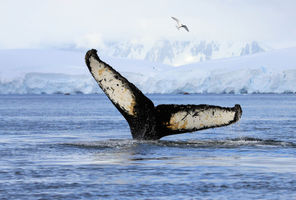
<point>148,122</point>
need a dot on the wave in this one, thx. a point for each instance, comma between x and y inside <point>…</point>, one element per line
<point>227,143</point>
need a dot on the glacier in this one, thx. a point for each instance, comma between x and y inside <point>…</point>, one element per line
<point>179,52</point>
<point>28,71</point>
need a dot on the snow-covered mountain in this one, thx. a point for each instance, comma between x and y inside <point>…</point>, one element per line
<point>180,52</point>
<point>56,71</point>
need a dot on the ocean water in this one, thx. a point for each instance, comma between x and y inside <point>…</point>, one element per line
<point>80,147</point>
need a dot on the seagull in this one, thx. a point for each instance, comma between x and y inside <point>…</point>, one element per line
<point>179,25</point>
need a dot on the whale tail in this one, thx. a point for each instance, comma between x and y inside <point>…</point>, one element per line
<point>148,122</point>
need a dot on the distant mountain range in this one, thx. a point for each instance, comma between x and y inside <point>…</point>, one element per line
<point>179,52</point>
<point>27,71</point>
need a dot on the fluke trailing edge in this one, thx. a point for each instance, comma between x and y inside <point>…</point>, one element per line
<point>148,122</point>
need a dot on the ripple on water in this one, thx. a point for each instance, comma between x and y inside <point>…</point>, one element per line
<point>227,143</point>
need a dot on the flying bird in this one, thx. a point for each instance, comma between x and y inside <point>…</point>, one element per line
<point>179,25</point>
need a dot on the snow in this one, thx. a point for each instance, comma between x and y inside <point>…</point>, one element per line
<point>268,72</point>
<point>60,71</point>
<point>178,52</point>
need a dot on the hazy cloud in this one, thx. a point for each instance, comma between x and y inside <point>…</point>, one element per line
<point>33,23</point>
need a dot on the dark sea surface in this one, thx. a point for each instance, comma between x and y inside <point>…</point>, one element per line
<point>80,147</point>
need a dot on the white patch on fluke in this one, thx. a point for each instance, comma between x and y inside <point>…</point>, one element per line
<point>198,119</point>
<point>117,90</point>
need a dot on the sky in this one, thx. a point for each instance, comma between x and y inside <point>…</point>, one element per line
<point>86,23</point>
